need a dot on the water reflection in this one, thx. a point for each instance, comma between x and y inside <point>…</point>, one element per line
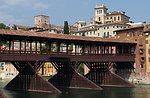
<point>142,91</point>
<point>22,94</point>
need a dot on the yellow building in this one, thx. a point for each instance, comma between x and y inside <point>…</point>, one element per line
<point>48,69</point>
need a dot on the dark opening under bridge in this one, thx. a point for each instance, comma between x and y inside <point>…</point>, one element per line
<point>28,51</point>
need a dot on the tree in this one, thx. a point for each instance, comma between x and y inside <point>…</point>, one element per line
<point>14,27</point>
<point>66,28</point>
<point>3,26</point>
<point>81,69</point>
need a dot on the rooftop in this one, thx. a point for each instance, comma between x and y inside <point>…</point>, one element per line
<point>130,28</point>
<point>61,36</point>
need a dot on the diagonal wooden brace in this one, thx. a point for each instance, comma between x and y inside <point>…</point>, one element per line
<point>68,77</point>
<point>101,75</point>
<point>29,80</point>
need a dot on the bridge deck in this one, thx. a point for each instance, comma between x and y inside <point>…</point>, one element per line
<point>80,58</point>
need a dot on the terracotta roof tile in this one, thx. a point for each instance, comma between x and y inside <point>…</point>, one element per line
<point>130,28</point>
<point>61,36</point>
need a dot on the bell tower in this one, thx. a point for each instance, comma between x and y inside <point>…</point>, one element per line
<point>41,21</point>
<point>100,13</point>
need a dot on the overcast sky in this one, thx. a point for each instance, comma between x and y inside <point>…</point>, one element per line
<point>22,12</point>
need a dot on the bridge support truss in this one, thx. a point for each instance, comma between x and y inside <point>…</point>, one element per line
<point>103,74</point>
<point>68,77</point>
<point>29,80</point>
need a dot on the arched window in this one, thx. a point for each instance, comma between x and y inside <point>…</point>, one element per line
<point>118,18</point>
<point>99,18</point>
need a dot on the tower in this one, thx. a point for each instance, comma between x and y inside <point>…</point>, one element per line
<point>100,13</point>
<point>41,21</point>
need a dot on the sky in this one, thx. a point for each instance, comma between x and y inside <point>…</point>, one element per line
<point>22,12</point>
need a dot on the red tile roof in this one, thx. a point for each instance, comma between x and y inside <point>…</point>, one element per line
<point>23,27</point>
<point>130,28</point>
<point>117,13</point>
<point>61,36</point>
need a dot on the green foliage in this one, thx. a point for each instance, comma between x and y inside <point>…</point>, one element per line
<point>66,27</point>
<point>81,69</point>
<point>14,27</point>
<point>3,26</point>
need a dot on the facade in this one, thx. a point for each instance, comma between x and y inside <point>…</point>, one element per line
<point>142,50</point>
<point>107,30</point>
<point>48,69</point>
<point>42,21</point>
<point>104,24</point>
<point>147,57</point>
<point>7,70</point>
<point>102,16</point>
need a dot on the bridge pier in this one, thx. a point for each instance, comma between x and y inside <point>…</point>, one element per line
<point>68,77</point>
<point>29,80</point>
<point>125,69</point>
<point>103,74</point>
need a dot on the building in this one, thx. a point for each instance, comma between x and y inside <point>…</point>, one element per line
<point>42,21</point>
<point>147,49</point>
<point>142,36</point>
<point>7,70</point>
<point>103,24</point>
<point>47,70</point>
<point>103,17</point>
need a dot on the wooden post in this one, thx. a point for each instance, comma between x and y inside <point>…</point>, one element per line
<point>25,46</point>
<point>20,46</point>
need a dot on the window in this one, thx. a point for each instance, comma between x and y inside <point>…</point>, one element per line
<point>149,59</point>
<point>140,42</point>
<point>131,34</point>
<point>107,18</point>
<point>87,33</point>
<point>90,33</point>
<point>142,59</point>
<point>113,26</point>
<point>94,32</point>
<point>104,27</point>
<point>98,34</point>
<point>118,18</point>
<point>107,34</point>
<point>142,66</point>
<point>110,17</point>
<point>141,51</point>
<point>148,51</point>
<point>100,11</point>
<point>146,41</point>
<point>99,18</point>
<point>107,27</point>
<point>104,34</point>
<point>140,33</point>
<point>114,18</point>
<point>97,12</point>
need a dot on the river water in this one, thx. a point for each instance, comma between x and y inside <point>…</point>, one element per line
<point>141,91</point>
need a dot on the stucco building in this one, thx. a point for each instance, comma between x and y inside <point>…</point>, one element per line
<point>141,35</point>
<point>102,16</point>
<point>103,24</point>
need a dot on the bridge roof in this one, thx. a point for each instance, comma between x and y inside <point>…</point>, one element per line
<point>61,36</point>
